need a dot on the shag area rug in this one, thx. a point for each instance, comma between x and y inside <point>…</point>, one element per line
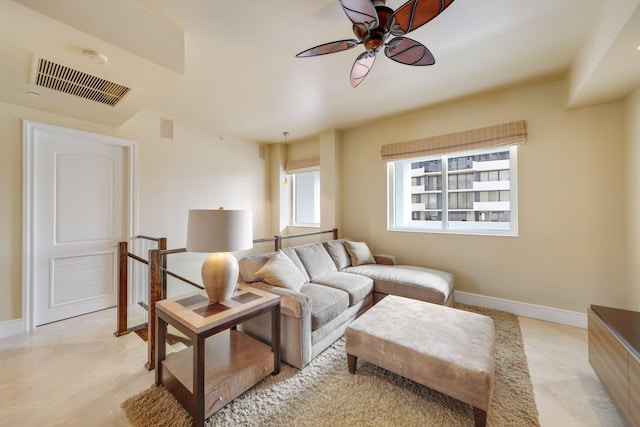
<point>325,394</point>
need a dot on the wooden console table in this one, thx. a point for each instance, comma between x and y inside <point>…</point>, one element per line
<point>223,362</point>
<point>614,354</point>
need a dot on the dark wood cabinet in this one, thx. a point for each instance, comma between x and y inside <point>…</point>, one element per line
<point>614,344</point>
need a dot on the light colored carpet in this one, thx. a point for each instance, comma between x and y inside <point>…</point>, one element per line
<point>325,394</point>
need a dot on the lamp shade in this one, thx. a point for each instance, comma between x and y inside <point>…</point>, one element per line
<point>219,230</point>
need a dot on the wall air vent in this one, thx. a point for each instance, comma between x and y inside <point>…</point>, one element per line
<point>73,82</point>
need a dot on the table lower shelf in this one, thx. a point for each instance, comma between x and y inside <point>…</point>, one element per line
<point>234,362</point>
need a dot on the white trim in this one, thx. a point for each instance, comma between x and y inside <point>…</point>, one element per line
<point>534,311</point>
<point>11,328</point>
<point>399,217</point>
<point>27,223</point>
<point>29,129</point>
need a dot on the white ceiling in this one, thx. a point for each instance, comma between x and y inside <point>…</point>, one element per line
<point>238,75</point>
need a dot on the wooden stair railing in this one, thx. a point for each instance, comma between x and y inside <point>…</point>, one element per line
<point>122,327</point>
<point>158,273</point>
<point>158,290</point>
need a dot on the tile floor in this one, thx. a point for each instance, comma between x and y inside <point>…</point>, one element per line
<point>76,373</point>
<point>567,391</point>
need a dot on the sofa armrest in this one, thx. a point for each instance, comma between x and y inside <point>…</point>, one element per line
<point>385,259</point>
<point>292,303</point>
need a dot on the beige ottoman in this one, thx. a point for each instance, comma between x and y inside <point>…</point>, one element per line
<point>446,349</point>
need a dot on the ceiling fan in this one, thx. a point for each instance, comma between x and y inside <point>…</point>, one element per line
<point>373,22</point>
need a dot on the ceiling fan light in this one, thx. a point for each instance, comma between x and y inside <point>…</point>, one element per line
<point>361,12</point>
<point>361,67</point>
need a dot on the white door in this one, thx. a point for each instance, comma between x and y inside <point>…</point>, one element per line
<point>79,211</point>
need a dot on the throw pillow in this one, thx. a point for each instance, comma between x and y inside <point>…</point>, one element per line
<point>316,260</point>
<point>281,271</point>
<point>250,265</point>
<point>359,253</point>
<point>293,256</point>
<point>338,253</point>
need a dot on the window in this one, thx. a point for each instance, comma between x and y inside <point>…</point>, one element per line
<point>306,198</point>
<point>474,192</point>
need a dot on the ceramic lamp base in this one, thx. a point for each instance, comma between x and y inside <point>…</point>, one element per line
<point>220,276</point>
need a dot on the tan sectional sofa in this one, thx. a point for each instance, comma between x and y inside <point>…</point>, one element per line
<point>325,286</point>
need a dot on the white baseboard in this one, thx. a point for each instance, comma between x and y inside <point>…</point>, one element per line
<point>12,327</point>
<point>540,312</point>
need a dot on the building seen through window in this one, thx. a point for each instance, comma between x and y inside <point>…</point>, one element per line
<point>472,192</point>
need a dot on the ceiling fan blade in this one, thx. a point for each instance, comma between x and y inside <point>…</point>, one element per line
<point>361,67</point>
<point>414,14</point>
<point>410,52</point>
<point>326,48</point>
<point>362,13</point>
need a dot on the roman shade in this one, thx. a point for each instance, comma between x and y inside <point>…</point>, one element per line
<point>304,165</point>
<point>492,136</point>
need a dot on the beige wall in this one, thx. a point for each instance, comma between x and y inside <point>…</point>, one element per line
<point>330,179</point>
<point>280,192</point>
<point>571,248</point>
<point>632,155</point>
<point>302,150</point>
<point>327,147</point>
<point>579,195</point>
<point>195,170</point>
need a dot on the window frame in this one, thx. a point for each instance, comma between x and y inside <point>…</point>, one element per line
<point>395,189</point>
<point>294,213</point>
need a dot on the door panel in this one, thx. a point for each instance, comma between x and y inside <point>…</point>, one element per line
<point>84,188</point>
<point>81,278</point>
<point>80,213</point>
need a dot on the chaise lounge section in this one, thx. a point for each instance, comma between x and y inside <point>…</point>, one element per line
<point>325,286</point>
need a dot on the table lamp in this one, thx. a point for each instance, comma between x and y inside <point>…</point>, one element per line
<point>219,232</point>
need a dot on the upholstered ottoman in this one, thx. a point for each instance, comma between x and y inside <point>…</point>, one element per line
<point>443,348</point>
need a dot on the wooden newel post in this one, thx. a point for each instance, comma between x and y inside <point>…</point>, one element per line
<point>155,290</point>
<point>123,274</point>
<point>162,245</point>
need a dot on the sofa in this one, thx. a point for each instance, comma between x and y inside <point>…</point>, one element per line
<point>326,286</point>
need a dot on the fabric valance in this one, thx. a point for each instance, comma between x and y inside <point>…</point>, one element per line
<point>492,136</point>
<point>304,165</point>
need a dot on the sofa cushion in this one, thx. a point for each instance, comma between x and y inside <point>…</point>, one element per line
<point>408,281</point>
<point>357,286</point>
<point>326,303</point>
<point>291,253</point>
<point>281,271</point>
<point>249,265</point>
<point>316,260</point>
<point>338,253</point>
<point>359,252</point>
